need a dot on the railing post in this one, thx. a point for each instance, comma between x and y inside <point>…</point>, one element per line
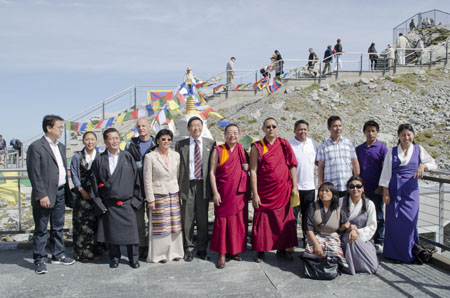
<point>20,203</point>
<point>395,61</point>
<point>320,72</point>
<point>337,66</point>
<point>431,58</point>
<point>441,215</point>
<point>384,66</point>
<point>256,80</point>
<point>361,65</point>
<point>446,53</point>
<point>135,103</point>
<point>103,110</point>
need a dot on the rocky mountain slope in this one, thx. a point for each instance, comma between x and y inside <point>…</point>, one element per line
<point>421,98</point>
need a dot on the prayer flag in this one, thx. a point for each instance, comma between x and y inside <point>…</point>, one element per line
<point>109,122</point>
<point>223,123</point>
<point>159,95</point>
<point>83,126</point>
<point>89,126</point>
<point>99,124</point>
<point>134,114</point>
<point>75,126</point>
<point>127,116</point>
<point>149,110</point>
<point>120,118</point>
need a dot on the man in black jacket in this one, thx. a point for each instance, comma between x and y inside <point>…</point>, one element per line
<point>138,147</point>
<point>327,60</point>
<point>47,170</point>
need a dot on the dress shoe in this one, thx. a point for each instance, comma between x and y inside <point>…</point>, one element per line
<point>188,257</point>
<point>114,264</point>
<point>202,255</point>
<point>234,257</point>
<point>260,257</point>
<point>163,261</point>
<point>135,265</point>
<point>221,262</point>
<point>176,259</point>
<point>283,254</point>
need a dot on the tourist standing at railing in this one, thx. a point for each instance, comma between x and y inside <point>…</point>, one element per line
<point>312,60</point>
<point>371,156</point>
<point>2,143</point>
<point>85,245</point>
<point>390,56</point>
<point>336,158</point>
<point>230,72</point>
<point>360,212</point>
<point>195,188</point>
<point>373,56</point>
<point>117,194</point>
<point>412,26</point>
<point>47,171</point>
<point>162,198</point>
<point>279,63</point>
<point>305,150</point>
<point>327,60</point>
<point>402,168</point>
<point>229,182</point>
<point>139,147</point>
<point>338,51</point>
<point>273,176</point>
<point>402,44</point>
<point>419,50</point>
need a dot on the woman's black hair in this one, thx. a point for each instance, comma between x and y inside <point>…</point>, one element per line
<point>404,126</point>
<point>359,179</point>
<point>88,132</point>
<point>335,199</point>
<point>163,132</point>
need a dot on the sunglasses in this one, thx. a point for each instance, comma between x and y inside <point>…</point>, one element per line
<point>166,139</point>
<point>271,126</point>
<point>353,186</point>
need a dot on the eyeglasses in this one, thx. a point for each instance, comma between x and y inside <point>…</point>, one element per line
<point>166,139</point>
<point>353,186</point>
<point>271,126</point>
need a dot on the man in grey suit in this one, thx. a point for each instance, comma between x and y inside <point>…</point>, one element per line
<point>47,170</point>
<point>195,188</point>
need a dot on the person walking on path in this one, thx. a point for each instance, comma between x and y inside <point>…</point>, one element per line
<point>230,72</point>
<point>327,60</point>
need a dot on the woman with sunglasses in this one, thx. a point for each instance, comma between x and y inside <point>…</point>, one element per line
<point>359,251</point>
<point>161,190</point>
<point>325,219</point>
<point>403,165</point>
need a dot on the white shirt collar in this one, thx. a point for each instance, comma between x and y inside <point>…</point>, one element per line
<point>51,142</point>
<point>192,140</point>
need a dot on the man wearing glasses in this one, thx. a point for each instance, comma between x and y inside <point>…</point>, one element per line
<point>273,176</point>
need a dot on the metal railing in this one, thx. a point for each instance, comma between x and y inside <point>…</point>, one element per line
<point>22,175</point>
<point>438,17</point>
<point>434,214</point>
<point>11,158</point>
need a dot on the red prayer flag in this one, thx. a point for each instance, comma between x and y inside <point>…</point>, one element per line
<point>99,124</point>
<point>134,114</point>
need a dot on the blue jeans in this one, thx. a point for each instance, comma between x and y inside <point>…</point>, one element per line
<point>377,200</point>
<point>41,218</point>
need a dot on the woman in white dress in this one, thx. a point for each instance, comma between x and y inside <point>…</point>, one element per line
<point>161,190</point>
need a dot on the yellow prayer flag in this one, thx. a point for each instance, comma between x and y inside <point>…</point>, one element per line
<point>215,114</point>
<point>173,105</point>
<point>120,118</point>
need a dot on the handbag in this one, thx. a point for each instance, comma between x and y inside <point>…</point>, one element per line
<point>294,199</point>
<point>321,268</point>
<point>422,254</point>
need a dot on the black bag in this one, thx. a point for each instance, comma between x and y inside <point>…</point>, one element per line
<point>422,254</point>
<point>321,268</point>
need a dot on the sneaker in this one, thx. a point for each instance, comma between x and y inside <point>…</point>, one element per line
<point>63,261</point>
<point>379,249</point>
<point>40,268</point>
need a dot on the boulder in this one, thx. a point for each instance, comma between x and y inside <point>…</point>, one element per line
<point>364,81</point>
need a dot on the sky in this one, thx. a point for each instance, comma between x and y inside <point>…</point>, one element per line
<point>60,56</point>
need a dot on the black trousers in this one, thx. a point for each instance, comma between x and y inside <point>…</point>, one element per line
<point>41,234</point>
<point>307,197</point>
<point>132,250</point>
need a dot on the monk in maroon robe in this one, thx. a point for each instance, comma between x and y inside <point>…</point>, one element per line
<point>273,176</point>
<point>229,184</point>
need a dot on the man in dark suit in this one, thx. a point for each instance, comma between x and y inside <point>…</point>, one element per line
<point>47,170</point>
<point>195,187</point>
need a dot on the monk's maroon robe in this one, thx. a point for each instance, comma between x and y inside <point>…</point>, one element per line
<point>231,217</point>
<point>273,222</point>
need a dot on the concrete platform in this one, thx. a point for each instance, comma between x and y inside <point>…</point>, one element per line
<point>275,278</point>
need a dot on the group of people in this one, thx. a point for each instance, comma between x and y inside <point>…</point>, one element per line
<point>113,189</point>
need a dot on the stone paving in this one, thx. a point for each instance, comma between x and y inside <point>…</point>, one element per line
<point>274,278</point>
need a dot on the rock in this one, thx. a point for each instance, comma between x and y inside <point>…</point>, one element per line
<point>344,83</point>
<point>290,90</point>
<point>325,87</point>
<point>3,203</point>
<point>21,237</point>
<point>445,71</point>
<point>364,81</point>
<point>298,88</point>
<point>419,72</point>
<point>372,86</point>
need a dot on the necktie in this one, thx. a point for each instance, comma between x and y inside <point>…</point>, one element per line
<point>197,161</point>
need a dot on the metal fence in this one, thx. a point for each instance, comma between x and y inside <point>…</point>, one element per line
<point>11,158</point>
<point>421,20</point>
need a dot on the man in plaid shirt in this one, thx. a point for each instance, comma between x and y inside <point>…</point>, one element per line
<point>336,157</point>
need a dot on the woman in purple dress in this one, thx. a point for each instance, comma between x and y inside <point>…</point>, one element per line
<point>402,167</point>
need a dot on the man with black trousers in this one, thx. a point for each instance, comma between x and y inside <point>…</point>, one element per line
<point>47,171</point>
